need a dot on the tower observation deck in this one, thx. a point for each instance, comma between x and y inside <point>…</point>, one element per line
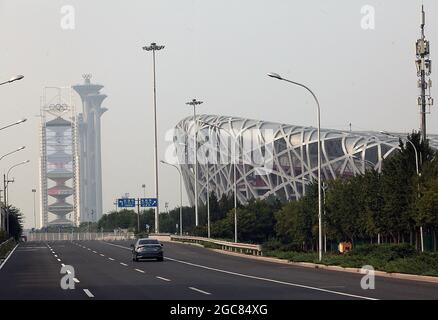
<point>89,141</point>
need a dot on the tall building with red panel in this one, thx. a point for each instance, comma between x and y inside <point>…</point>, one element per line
<point>59,183</point>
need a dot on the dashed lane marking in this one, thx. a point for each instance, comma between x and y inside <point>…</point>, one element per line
<point>164,279</point>
<point>200,291</point>
<point>88,293</point>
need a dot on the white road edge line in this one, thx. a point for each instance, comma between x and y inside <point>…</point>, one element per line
<point>7,258</point>
<point>164,279</point>
<point>200,291</point>
<point>88,293</point>
<point>259,278</point>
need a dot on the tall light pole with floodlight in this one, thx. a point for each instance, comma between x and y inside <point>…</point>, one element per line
<point>154,47</point>
<point>278,77</point>
<point>194,103</point>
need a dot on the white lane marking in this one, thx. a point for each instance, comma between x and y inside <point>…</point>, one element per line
<point>259,278</point>
<point>7,258</point>
<point>88,293</point>
<point>59,260</point>
<point>164,279</point>
<point>111,259</point>
<point>94,251</point>
<point>200,291</point>
<point>68,272</point>
<point>62,265</point>
<point>139,270</point>
<point>76,280</point>
<point>56,256</point>
<point>123,264</point>
<point>102,255</point>
<point>272,280</point>
<point>89,249</point>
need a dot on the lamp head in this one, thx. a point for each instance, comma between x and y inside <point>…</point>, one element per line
<point>16,78</point>
<point>275,76</point>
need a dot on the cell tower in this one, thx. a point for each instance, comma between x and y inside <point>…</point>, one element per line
<point>59,183</point>
<point>424,70</point>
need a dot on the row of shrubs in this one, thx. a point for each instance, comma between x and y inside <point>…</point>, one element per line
<point>393,258</point>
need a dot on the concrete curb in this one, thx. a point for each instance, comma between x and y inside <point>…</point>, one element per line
<point>400,276</point>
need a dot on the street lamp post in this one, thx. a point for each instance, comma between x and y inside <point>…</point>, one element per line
<point>34,208</point>
<point>154,47</point>
<point>6,182</point>
<point>234,174</point>
<point>180,196</point>
<point>208,196</point>
<point>277,76</point>
<point>418,174</point>
<point>195,103</point>
<point>12,152</point>
<point>14,124</point>
<point>13,79</point>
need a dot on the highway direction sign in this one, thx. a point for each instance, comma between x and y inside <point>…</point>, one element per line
<point>148,202</point>
<point>126,203</point>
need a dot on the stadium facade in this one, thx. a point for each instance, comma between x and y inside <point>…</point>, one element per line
<point>271,158</point>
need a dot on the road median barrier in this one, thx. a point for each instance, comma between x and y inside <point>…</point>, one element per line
<point>243,248</point>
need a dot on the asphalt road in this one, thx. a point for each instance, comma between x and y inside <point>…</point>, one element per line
<point>104,270</point>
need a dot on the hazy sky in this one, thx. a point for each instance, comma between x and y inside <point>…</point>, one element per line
<point>216,51</point>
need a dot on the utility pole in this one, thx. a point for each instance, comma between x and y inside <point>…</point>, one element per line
<point>424,70</point>
<point>138,215</point>
<point>34,208</point>
<point>6,205</point>
<point>154,47</point>
<point>194,103</point>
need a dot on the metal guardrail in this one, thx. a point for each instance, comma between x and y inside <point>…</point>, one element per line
<point>3,253</point>
<point>253,249</point>
<point>79,236</point>
<point>4,243</point>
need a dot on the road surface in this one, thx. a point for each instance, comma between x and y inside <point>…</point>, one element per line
<point>104,270</point>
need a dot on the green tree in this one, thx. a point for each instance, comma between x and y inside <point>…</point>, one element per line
<point>15,218</point>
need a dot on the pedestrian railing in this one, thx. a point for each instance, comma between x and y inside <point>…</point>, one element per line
<point>79,236</point>
<point>246,248</point>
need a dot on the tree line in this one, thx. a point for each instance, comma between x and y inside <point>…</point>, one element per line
<point>390,206</point>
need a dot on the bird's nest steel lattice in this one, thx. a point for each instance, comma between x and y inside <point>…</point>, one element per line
<point>286,156</point>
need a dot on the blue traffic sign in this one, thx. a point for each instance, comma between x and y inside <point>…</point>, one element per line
<point>126,203</point>
<point>149,202</point>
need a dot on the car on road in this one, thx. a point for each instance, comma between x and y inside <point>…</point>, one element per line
<point>147,248</point>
